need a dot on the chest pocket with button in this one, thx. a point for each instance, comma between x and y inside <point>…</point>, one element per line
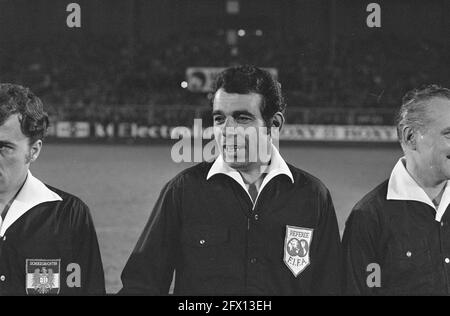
<point>408,266</point>
<point>204,246</point>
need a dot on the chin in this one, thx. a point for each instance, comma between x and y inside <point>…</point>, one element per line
<point>445,169</point>
<point>238,165</point>
<point>234,157</point>
<point>446,175</point>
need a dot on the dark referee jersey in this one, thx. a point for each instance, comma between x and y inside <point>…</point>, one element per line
<point>398,227</point>
<point>45,235</point>
<point>208,230</point>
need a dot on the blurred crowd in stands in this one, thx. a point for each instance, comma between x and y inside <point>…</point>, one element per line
<point>111,81</point>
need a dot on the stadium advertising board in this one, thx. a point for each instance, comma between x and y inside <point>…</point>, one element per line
<point>201,79</point>
<point>345,133</point>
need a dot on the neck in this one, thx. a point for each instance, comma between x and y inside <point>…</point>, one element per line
<point>432,186</point>
<point>253,174</point>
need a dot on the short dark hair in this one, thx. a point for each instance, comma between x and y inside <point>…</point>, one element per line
<point>249,79</point>
<point>413,111</point>
<point>16,99</point>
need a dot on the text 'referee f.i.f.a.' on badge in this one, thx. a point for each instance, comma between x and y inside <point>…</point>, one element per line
<point>296,248</point>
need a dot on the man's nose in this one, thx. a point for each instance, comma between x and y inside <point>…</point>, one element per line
<point>229,127</point>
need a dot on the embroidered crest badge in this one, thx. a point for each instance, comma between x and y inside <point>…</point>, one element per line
<point>297,243</point>
<point>42,276</point>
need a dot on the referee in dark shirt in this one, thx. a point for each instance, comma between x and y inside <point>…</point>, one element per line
<point>247,224</point>
<point>397,238</point>
<point>48,244</point>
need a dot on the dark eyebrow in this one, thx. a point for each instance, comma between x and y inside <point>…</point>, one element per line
<point>446,130</point>
<point>247,113</point>
<point>235,113</point>
<point>217,112</point>
<point>6,143</point>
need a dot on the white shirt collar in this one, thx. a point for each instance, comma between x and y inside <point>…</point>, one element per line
<point>33,193</point>
<point>402,186</point>
<point>277,166</point>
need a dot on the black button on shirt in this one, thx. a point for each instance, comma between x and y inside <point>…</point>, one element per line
<point>191,209</point>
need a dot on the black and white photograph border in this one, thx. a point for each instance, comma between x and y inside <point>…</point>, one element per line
<point>109,108</point>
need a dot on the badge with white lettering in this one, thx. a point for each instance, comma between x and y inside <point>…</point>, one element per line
<point>43,276</point>
<point>296,248</point>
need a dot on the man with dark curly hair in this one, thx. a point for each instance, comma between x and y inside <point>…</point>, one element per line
<point>226,227</point>
<point>48,244</point>
<point>397,238</point>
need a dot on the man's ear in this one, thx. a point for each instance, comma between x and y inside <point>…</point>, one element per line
<point>278,120</point>
<point>409,137</point>
<point>35,150</point>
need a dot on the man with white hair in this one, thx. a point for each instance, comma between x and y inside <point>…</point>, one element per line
<point>397,238</point>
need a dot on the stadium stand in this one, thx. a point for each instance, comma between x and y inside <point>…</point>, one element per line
<point>106,81</point>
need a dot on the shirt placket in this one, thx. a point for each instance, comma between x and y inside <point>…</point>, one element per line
<point>253,257</point>
<point>2,264</point>
<point>444,233</point>
<point>255,260</point>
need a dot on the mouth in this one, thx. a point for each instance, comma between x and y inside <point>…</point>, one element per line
<point>232,149</point>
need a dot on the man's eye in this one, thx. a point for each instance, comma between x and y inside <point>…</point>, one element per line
<point>244,119</point>
<point>218,119</point>
<point>4,148</point>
